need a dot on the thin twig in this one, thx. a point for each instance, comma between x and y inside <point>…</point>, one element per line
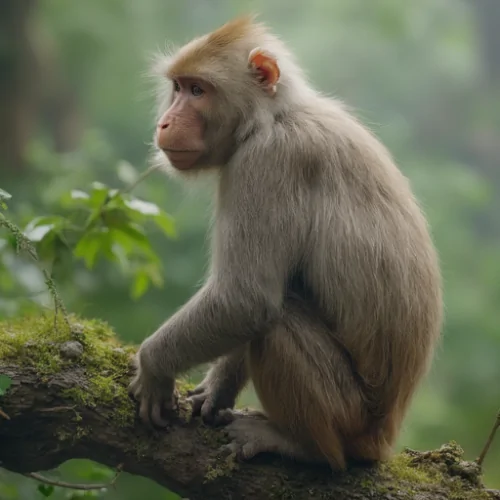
<point>56,409</point>
<point>4,415</point>
<point>139,179</point>
<point>75,486</point>
<point>494,429</point>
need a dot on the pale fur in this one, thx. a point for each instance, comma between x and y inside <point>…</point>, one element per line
<point>323,278</point>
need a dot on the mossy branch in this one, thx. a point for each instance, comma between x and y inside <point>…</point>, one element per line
<point>68,399</point>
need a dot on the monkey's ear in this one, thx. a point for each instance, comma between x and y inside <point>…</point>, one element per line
<point>266,67</point>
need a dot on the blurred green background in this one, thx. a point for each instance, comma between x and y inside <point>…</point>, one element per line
<point>76,106</point>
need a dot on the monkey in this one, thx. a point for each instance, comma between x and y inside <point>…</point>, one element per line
<point>324,286</point>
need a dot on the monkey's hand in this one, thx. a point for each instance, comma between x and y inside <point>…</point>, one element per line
<point>209,400</point>
<point>155,394</point>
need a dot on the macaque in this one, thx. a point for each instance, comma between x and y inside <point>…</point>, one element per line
<point>324,288</point>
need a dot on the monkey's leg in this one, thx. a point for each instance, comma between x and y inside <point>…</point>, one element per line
<point>221,386</point>
<point>305,382</point>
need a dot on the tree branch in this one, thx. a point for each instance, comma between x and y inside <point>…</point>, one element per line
<point>48,426</point>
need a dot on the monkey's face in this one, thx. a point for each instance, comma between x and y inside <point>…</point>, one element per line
<point>192,133</point>
<point>215,88</point>
<point>180,131</point>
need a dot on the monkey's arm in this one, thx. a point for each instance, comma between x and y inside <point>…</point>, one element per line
<point>243,296</point>
<point>238,302</point>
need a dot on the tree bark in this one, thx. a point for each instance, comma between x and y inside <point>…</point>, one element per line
<point>18,72</point>
<point>47,427</point>
<point>488,17</point>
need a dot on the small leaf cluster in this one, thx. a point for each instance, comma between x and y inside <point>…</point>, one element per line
<point>102,223</point>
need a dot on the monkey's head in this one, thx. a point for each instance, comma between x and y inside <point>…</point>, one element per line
<point>213,86</point>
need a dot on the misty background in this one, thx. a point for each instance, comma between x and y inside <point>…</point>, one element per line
<point>76,106</point>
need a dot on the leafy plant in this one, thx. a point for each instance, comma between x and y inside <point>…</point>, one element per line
<point>5,383</point>
<point>102,223</point>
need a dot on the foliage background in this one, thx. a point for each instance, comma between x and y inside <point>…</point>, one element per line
<point>76,107</point>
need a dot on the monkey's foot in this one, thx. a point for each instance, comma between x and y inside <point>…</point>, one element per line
<point>209,402</point>
<point>251,436</point>
<point>227,416</point>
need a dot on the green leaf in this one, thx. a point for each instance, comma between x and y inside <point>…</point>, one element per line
<point>75,197</point>
<point>135,233</point>
<point>77,495</point>
<point>140,284</point>
<point>38,228</point>
<point>166,223</point>
<point>143,207</point>
<point>46,489</point>
<point>39,232</point>
<point>115,217</point>
<point>154,273</point>
<point>47,247</point>
<point>5,383</point>
<point>95,472</point>
<point>119,253</point>
<point>76,194</point>
<point>100,193</point>
<point>4,195</point>
<point>89,246</point>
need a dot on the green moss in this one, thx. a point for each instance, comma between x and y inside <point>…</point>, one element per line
<point>282,493</point>
<point>64,434</point>
<point>212,437</point>
<point>220,466</point>
<point>443,469</point>
<point>402,468</point>
<point>183,387</point>
<point>33,341</point>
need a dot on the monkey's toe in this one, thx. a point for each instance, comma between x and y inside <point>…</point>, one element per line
<point>197,400</point>
<point>156,415</point>
<point>246,440</point>
<point>229,415</point>
<point>214,408</point>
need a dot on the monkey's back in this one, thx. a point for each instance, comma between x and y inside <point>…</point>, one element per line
<point>369,260</point>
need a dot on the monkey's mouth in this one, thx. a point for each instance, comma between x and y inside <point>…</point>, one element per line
<point>182,159</point>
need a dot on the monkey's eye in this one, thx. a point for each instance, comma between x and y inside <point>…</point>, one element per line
<point>196,90</point>
<point>177,87</point>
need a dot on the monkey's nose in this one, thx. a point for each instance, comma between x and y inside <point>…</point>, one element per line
<point>162,134</point>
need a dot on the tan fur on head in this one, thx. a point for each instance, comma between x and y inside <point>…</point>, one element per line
<point>203,51</point>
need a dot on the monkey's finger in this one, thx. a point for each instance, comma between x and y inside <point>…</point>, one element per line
<point>250,450</point>
<point>229,449</point>
<point>171,404</point>
<point>209,412</point>
<point>156,416</point>
<point>196,404</point>
<point>224,417</point>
